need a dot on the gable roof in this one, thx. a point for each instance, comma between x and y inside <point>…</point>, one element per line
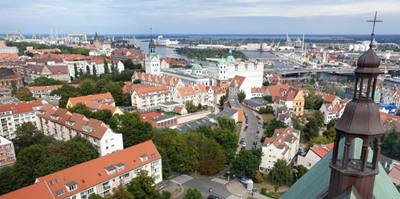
<point>58,69</point>
<point>105,97</point>
<point>275,91</point>
<point>186,91</point>
<point>99,106</point>
<point>36,88</point>
<point>237,80</point>
<point>88,174</point>
<point>150,91</point>
<point>317,178</point>
<point>20,107</point>
<point>280,137</point>
<point>322,150</point>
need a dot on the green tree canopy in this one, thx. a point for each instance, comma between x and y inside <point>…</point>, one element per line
<point>241,95</point>
<point>246,163</point>
<point>44,81</point>
<point>86,87</point>
<point>64,89</point>
<point>26,135</point>
<point>281,173</point>
<point>225,122</point>
<point>24,94</point>
<point>193,194</point>
<point>116,92</point>
<point>137,81</point>
<point>274,124</point>
<point>317,140</point>
<point>142,187</point>
<point>81,109</point>
<point>311,129</point>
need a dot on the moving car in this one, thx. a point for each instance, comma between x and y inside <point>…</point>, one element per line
<point>212,197</point>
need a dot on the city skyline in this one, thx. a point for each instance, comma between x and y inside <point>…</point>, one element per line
<point>200,17</point>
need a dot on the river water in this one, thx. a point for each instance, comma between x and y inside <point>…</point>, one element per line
<point>162,51</point>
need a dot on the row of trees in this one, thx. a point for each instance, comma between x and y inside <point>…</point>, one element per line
<point>40,155</point>
<point>64,48</point>
<point>202,54</point>
<point>282,173</point>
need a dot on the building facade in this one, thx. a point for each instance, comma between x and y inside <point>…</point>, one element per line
<point>39,91</point>
<point>13,115</point>
<point>7,152</point>
<point>63,125</point>
<point>98,176</point>
<point>150,97</point>
<point>104,98</point>
<point>284,144</point>
<point>238,84</point>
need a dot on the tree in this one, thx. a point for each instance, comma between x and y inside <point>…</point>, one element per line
<point>319,117</point>
<point>116,92</point>
<point>75,71</point>
<point>62,103</point>
<point>190,107</point>
<point>222,100</point>
<point>67,89</point>
<point>94,72</point>
<point>266,83</point>
<point>330,133</point>
<point>132,129</point>
<point>99,85</point>
<point>24,94</point>
<point>121,192</point>
<point>126,99</point>
<point>80,72</point>
<point>81,109</point>
<point>264,110</point>
<point>246,164</point>
<point>241,95</point>
<point>274,124</point>
<point>86,87</point>
<point>331,123</point>
<point>137,81</point>
<point>225,122</point>
<point>14,88</point>
<point>212,158</point>
<point>281,173</point>
<point>106,69</point>
<point>142,187</point>
<point>268,98</point>
<point>166,194</point>
<point>26,135</point>
<point>87,69</point>
<point>317,140</point>
<point>193,194</point>
<point>300,170</point>
<point>311,130</point>
<point>227,139</point>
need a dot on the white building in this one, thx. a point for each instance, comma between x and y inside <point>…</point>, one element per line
<point>227,69</point>
<point>150,97</point>
<point>214,95</point>
<point>97,63</point>
<point>188,78</point>
<point>315,154</point>
<point>165,42</point>
<point>284,144</point>
<point>63,125</point>
<point>332,111</point>
<point>152,61</point>
<point>7,152</point>
<point>158,80</point>
<point>197,93</point>
<point>13,115</point>
<point>238,84</point>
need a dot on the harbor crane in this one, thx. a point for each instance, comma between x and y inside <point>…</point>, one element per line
<point>277,45</point>
<point>21,37</point>
<point>288,41</point>
<point>77,35</point>
<point>240,43</point>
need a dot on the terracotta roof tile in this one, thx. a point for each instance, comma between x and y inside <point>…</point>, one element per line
<point>105,97</point>
<point>238,80</point>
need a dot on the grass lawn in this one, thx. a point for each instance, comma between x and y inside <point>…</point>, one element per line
<point>265,183</point>
<point>267,117</point>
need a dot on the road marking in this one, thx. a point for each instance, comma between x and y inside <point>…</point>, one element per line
<point>219,180</point>
<point>232,197</point>
<point>181,179</point>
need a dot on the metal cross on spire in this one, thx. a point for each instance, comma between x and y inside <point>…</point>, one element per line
<point>151,34</point>
<point>373,27</point>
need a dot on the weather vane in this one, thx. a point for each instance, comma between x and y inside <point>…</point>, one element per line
<point>373,27</point>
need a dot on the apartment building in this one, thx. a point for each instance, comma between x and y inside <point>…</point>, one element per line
<point>197,93</point>
<point>158,80</point>
<point>284,144</point>
<point>7,152</point>
<point>238,84</point>
<point>39,91</point>
<point>97,176</point>
<point>333,111</point>
<point>104,98</point>
<point>145,98</point>
<point>293,99</point>
<point>63,125</point>
<point>13,115</point>
<point>159,120</point>
<point>55,72</point>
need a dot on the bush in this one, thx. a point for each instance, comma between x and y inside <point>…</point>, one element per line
<point>255,180</point>
<point>264,191</point>
<point>166,194</point>
<point>263,138</point>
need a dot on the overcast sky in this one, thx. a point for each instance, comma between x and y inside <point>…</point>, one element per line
<point>199,16</point>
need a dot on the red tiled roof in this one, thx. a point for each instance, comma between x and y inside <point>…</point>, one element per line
<point>36,88</point>
<point>87,174</point>
<point>321,151</point>
<point>275,90</point>
<point>9,56</point>
<point>238,80</point>
<point>186,91</point>
<point>280,135</point>
<point>178,109</point>
<point>148,91</point>
<point>150,116</point>
<point>58,69</point>
<point>99,106</point>
<point>21,107</point>
<point>84,99</point>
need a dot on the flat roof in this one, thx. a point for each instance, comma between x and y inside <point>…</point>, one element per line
<point>164,117</point>
<point>169,103</point>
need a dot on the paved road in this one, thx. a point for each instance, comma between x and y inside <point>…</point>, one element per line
<point>217,185</point>
<point>252,129</point>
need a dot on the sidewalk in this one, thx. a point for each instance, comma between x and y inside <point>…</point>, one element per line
<point>236,188</point>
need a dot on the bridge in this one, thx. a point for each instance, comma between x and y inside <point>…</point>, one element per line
<point>343,70</point>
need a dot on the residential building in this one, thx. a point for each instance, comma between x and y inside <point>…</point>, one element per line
<point>104,98</point>
<point>394,175</point>
<point>13,115</point>
<point>276,91</point>
<point>258,92</point>
<point>158,80</point>
<point>4,101</point>
<point>315,154</point>
<point>159,120</point>
<point>238,84</point>
<point>198,94</point>
<point>214,95</point>
<point>332,111</point>
<point>148,98</point>
<point>7,152</point>
<point>7,77</point>
<point>39,91</point>
<point>284,144</point>
<point>256,104</point>
<point>169,106</point>
<point>181,110</point>
<point>98,176</point>
<point>188,77</point>
<point>42,51</point>
<point>59,72</point>
<point>9,56</point>
<point>8,49</point>
<point>391,97</point>
<point>63,125</point>
<point>129,87</point>
<point>330,98</point>
<point>390,121</point>
<point>293,99</point>
<point>93,106</point>
<point>284,114</point>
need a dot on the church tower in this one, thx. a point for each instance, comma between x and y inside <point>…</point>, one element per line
<point>96,41</point>
<point>360,120</point>
<point>152,62</point>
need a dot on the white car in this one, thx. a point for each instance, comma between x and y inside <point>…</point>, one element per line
<point>244,145</point>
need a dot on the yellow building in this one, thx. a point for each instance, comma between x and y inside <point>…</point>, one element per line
<point>298,103</point>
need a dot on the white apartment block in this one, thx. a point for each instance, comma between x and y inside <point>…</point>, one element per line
<point>7,152</point>
<point>284,144</point>
<point>63,125</point>
<point>332,111</point>
<point>158,80</point>
<point>98,176</point>
<point>198,94</point>
<point>238,84</point>
<point>150,97</point>
<point>13,115</point>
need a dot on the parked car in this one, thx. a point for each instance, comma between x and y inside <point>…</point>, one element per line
<point>212,197</point>
<point>244,145</point>
<point>255,143</point>
<point>242,140</point>
<point>254,147</point>
<point>242,148</point>
<point>256,137</point>
<point>258,132</point>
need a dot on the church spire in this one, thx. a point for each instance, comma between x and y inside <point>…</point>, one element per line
<point>360,120</point>
<point>152,46</point>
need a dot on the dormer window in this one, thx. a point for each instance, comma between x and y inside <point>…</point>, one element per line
<point>108,99</point>
<point>54,117</point>
<point>153,155</point>
<point>144,158</point>
<point>110,169</point>
<point>41,112</point>
<point>121,166</point>
<point>71,186</point>
<point>87,129</point>
<point>70,122</point>
<point>60,192</point>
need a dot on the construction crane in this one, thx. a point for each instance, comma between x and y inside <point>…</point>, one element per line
<point>259,40</point>
<point>240,43</point>
<point>21,37</point>
<point>77,35</point>
<point>288,40</point>
<point>277,45</point>
<point>272,44</point>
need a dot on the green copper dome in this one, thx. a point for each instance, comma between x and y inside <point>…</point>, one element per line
<point>230,57</point>
<point>196,67</point>
<point>222,61</point>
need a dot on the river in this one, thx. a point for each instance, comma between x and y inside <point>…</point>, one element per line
<point>162,51</point>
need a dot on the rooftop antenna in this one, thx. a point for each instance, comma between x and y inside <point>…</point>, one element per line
<point>373,28</point>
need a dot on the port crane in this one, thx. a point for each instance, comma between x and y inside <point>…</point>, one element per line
<point>21,37</point>
<point>288,41</point>
<point>277,45</point>
<point>240,43</point>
